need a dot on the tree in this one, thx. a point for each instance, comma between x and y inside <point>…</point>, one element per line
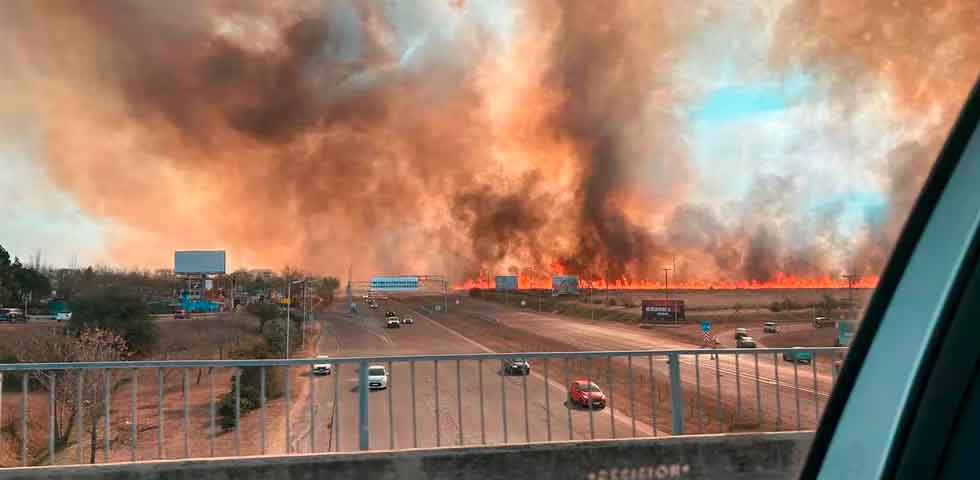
<point>91,345</point>
<point>264,312</point>
<point>117,310</point>
<point>327,289</point>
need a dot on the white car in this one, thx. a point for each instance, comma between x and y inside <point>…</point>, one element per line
<point>323,368</point>
<point>377,377</point>
<point>393,322</point>
<point>407,320</point>
<point>62,316</point>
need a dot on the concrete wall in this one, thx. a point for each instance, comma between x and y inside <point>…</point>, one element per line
<point>748,456</point>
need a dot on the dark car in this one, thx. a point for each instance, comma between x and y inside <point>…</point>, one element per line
<point>407,320</point>
<point>516,366</point>
<point>4,317</point>
<point>821,322</point>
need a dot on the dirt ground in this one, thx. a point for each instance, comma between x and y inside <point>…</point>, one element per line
<point>711,306</point>
<point>203,338</point>
<point>812,337</point>
<point>695,300</point>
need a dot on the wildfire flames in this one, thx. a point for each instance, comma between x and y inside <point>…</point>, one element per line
<point>457,137</point>
<point>781,281</point>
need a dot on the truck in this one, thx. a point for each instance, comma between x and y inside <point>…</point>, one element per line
<point>662,311</point>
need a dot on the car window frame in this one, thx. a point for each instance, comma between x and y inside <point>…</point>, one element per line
<point>868,415</point>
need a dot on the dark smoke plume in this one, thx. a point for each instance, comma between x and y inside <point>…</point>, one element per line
<point>425,138</point>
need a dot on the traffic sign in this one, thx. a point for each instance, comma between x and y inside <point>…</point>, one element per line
<point>705,327</point>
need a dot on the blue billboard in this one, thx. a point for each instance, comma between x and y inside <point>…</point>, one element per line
<point>506,282</point>
<point>394,284</point>
<point>564,285</point>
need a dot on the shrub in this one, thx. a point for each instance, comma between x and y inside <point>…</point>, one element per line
<point>117,310</point>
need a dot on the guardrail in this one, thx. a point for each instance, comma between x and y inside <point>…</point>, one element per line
<point>646,393</point>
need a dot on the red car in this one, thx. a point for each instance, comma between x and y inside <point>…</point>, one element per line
<point>581,392</point>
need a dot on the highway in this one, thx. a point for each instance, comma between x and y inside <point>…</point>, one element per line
<point>587,335</point>
<point>457,418</point>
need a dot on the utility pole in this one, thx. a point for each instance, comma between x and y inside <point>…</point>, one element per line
<point>851,278</point>
<point>289,306</point>
<point>667,291</point>
<point>532,288</point>
<point>673,261</point>
<point>591,305</point>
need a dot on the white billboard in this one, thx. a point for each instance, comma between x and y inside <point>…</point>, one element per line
<point>199,261</point>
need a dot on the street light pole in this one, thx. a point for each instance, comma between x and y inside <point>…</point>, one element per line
<point>289,301</point>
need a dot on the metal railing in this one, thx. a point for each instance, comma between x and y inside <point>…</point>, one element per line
<point>646,393</point>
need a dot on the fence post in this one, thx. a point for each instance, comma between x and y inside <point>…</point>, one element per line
<point>676,394</point>
<point>362,406</point>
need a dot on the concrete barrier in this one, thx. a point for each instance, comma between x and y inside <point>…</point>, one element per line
<point>735,456</point>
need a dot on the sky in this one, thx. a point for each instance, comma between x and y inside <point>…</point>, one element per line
<point>714,130</point>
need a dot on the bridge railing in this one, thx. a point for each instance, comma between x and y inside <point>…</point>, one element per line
<point>134,410</point>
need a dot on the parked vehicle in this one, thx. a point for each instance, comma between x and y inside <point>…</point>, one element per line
<point>13,315</point>
<point>62,316</point>
<point>393,322</point>
<point>741,332</point>
<point>516,366</point>
<point>801,356</point>
<point>745,342</point>
<point>770,327</point>
<point>377,377</point>
<point>408,320</point>
<point>4,317</point>
<point>324,367</point>
<point>179,314</point>
<point>586,394</point>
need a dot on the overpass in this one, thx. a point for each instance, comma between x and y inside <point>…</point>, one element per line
<point>733,456</point>
<point>157,410</point>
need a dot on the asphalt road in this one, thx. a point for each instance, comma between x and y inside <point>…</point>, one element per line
<point>799,397</point>
<point>446,413</point>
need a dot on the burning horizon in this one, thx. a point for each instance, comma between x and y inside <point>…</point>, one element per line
<point>528,281</point>
<point>758,145</point>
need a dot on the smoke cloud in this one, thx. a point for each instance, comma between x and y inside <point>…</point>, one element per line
<point>456,137</point>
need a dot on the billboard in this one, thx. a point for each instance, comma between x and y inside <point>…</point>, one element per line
<point>199,261</point>
<point>845,333</point>
<point>394,284</point>
<point>662,311</point>
<point>564,285</point>
<point>506,282</point>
